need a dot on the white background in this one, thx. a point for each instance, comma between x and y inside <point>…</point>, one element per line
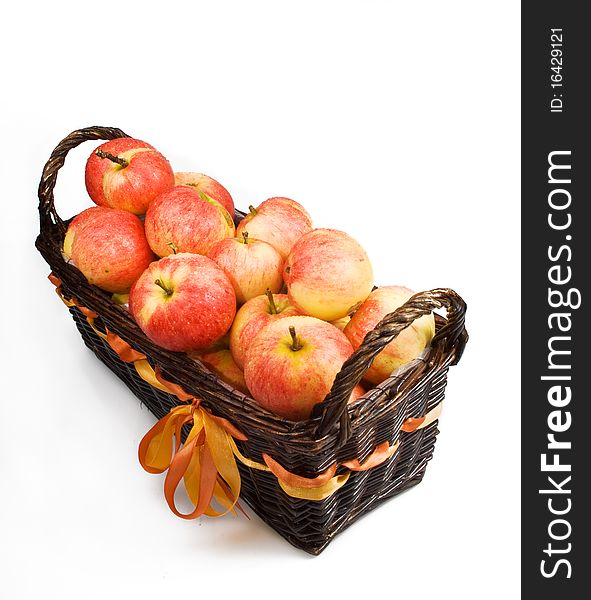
<point>395,121</point>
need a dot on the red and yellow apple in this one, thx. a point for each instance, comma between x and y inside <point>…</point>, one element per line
<point>291,365</point>
<point>128,174</point>
<point>252,266</point>
<point>341,323</point>
<point>180,220</point>
<point>253,316</point>
<point>109,247</point>
<point>219,359</point>
<point>279,221</point>
<point>327,273</point>
<point>409,343</point>
<point>358,391</point>
<point>183,302</point>
<point>208,186</point>
<point>77,224</point>
<point>222,363</point>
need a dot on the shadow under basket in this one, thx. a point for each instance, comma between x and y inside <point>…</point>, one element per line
<point>337,432</point>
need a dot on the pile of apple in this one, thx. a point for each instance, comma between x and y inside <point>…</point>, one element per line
<point>273,306</point>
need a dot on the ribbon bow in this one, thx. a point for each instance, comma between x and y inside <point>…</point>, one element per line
<point>205,462</point>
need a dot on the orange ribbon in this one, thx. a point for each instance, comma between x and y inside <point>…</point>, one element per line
<point>413,424</point>
<point>297,480</point>
<point>122,348</point>
<point>381,454</point>
<point>206,462</point>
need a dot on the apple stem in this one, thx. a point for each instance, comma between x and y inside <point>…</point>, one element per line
<point>160,284</point>
<point>252,210</point>
<point>272,304</point>
<point>295,345</point>
<point>173,247</point>
<point>245,236</point>
<point>116,159</point>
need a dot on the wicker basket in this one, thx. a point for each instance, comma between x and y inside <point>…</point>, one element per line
<point>335,433</point>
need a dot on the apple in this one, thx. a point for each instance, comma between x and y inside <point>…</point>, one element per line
<point>291,364</point>
<point>341,323</point>
<point>109,247</point>
<point>128,174</point>
<point>222,363</point>
<point>252,266</point>
<point>358,391</point>
<point>183,302</point>
<point>278,221</point>
<point>219,359</point>
<point>253,316</point>
<point>409,343</point>
<point>180,220</point>
<point>77,224</point>
<point>208,186</point>
<point>327,274</point>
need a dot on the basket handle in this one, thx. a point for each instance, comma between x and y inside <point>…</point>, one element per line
<point>333,408</point>
<point>47,213</point>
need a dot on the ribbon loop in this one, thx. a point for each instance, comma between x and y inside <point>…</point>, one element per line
<point>155,449</point>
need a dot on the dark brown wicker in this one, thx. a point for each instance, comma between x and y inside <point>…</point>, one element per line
<point>335,433</point>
